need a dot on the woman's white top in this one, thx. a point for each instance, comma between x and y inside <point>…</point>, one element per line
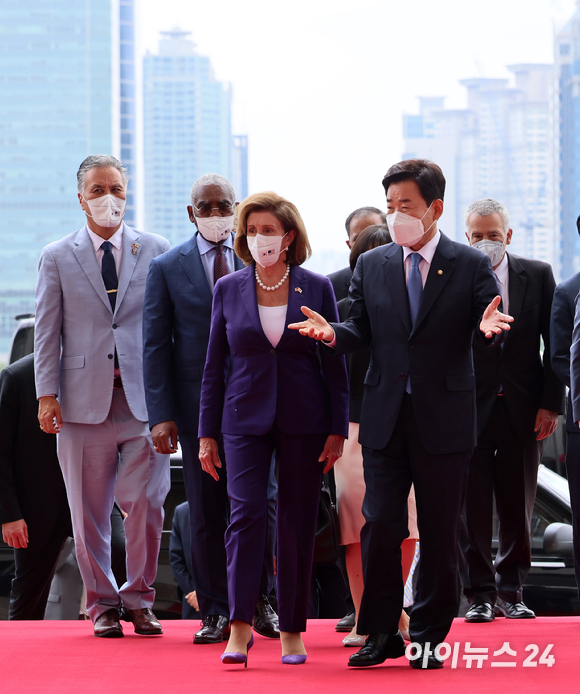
<point>273,320</point>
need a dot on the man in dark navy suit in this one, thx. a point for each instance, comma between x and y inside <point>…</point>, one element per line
<point>417,302</point>
<point>561,329</point>
<point>176,322</point>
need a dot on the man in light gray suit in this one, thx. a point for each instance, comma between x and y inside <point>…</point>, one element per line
<point>89,383</point>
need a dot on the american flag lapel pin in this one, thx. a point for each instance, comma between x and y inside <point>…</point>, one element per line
<point>135,248</point>
<point>297,289</point>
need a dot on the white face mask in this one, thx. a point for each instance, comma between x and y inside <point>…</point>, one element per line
<point>106,211</point>
<point>215,229</point>
<point>494,249</point>
<point>405,229</point>
<point>266,250</point>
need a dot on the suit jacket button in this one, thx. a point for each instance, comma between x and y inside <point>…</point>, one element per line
<point>114,326</point>
<point>402,376</point>
<point>272,351</point>
<point>109,356</point>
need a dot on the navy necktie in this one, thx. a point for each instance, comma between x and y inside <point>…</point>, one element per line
<point>109,272</point>
<point>415,286</point>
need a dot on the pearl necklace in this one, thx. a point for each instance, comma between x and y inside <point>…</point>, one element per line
<point>276,286</point>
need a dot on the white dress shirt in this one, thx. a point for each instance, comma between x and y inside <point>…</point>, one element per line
<point>426,253</point>
<point>502,273</point>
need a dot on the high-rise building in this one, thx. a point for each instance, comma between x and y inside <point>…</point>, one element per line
<point>499,147</point>
<point>567,155</point>
<point>187,133</point>
<point>67,90</point>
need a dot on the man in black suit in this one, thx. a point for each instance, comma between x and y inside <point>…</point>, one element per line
<point>561,331</point>
<point>33,504</point>
<point>417,302</point>
<point>518,400</point>
<point>356,222</point>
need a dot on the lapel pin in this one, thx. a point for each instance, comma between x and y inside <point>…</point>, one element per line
<point>297,289</point>
<point>439,272</point>
<point>135,248</point>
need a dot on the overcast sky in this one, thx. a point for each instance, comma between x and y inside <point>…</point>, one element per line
<point>320,86</point>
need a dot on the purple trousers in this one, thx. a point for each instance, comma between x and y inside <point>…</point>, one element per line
<point>299,482</point>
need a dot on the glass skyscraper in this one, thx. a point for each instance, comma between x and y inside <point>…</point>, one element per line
<point>67,90</point>
<point>567,60</point>
<point>499,147</point>
<point>187,133</point>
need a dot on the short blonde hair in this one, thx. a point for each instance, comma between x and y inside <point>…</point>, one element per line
<point>288,216</point>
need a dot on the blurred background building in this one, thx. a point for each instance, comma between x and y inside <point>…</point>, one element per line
<point>187,132</point>
<point>67,89</point>
<point>499,147</point>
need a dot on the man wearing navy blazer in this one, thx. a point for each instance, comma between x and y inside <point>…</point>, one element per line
<point>176,323</point>
<point>417,302</point>
<point>89,382</point>
<point>561,330</point>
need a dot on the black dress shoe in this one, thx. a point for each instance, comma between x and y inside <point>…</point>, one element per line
<point>265,620</point>
<point>144,621</point>
<point>107,625</point>
<point>513,610</point>
<point>377,649</point>
<point>215,629</point>
<point>346,623</point>
<point>431,662</point>
<point>480,612</point>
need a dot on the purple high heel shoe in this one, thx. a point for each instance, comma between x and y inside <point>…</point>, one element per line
<point>235,658</point>
<point>294,659</point>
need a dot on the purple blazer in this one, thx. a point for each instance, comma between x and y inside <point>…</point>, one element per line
<point>302,389</point>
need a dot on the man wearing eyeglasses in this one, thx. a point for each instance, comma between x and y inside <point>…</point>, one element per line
<point>176,323</point>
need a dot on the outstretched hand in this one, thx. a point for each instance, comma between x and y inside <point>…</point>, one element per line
<point>493,322</point>
<point>315,327</point>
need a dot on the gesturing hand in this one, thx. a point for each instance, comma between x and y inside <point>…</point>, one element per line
<point>316,326</point>
<point>493,322</point>
<point>209,456</point>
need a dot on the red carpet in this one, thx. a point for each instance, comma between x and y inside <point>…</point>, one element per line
<point>62,657</point>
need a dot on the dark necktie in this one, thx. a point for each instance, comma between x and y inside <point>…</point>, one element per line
<point>415,291</point>
<point>109,272</point>
<point>415,286</point>
<point>219,264</point>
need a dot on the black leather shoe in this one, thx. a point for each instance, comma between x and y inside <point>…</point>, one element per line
<point>144,621</point>
<point>265,620</point>
<point>480,612</point>
<point>107,625</point>
<point>215,629</point>
<point>346,623</point>
<point>377,649</point>
<point>431,662</point>
<point>513,610</point>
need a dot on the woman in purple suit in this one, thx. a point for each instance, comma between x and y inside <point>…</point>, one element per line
<point>267,388</point>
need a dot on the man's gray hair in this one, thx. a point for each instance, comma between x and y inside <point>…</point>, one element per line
<point>99,161</point>
<point>212,179</point>
<point>486,207</point>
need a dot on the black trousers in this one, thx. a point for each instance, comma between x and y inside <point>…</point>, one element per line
<point>34,569</point>
<point>573,472</point>
<point>507,468</point>
<point>439,490</point>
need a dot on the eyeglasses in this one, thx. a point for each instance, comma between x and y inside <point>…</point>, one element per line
<point>224,208</point>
